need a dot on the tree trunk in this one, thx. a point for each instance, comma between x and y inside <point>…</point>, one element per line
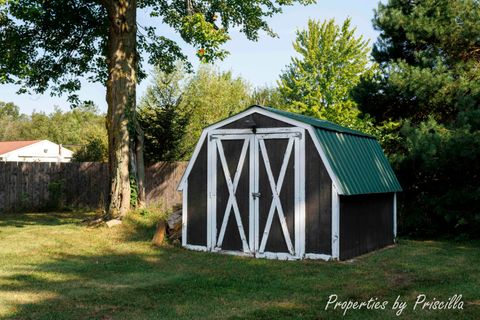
<point>139,138</point>
<point>137,167</point>
<point>121,99</point>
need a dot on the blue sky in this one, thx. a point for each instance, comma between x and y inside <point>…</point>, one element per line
<point>259,63</point>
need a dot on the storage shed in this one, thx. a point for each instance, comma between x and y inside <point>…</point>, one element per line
<point>274,184</point>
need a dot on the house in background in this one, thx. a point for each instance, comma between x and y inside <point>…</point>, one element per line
<point>34,151</point>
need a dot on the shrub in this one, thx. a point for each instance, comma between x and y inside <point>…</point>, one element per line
<point>439,170</point>
<point>140,224</point>
<point>56,194</point>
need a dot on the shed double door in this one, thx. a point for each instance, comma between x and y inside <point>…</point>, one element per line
<point>256,192</point>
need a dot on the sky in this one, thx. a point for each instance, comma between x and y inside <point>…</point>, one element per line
<point>260,63</point>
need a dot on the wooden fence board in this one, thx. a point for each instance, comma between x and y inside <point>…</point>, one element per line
<point>24,186</point>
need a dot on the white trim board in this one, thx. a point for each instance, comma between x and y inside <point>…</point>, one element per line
<point>195,247</point>
<point>318,256</point>
<point>184,214</point>
<point>335,224</point>
<point>262,111</point>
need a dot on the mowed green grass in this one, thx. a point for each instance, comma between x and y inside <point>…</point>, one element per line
<point>54,267</point>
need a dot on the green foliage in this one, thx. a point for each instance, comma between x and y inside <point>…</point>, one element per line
<point>160,116</point>
<point>83,126</point>
<point>330,63</point>
<point>429,56</point>
<point>211,96</point>
<point>428,80</point>
<point>267,96</point>
<point>102,272</point>
<point>176,108</point>
<point>204,34</point>
<point>24,202</point>
<point>9,110</point>
<point>51,44</point>
<point>420,31</point>
<point>140,224</point>
<point>133,191</point>
<point>94,151</point>
<point>440,168</point>
<point>56,194</point>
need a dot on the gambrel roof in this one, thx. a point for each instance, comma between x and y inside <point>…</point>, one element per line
<point>354,160</point>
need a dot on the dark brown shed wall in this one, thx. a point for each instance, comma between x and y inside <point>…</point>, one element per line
<point>197,200</point>
<point>318,206</point>
<point>366,223</point>
<point>259,120</point>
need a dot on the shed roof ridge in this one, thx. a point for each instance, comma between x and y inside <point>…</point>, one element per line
<point>317,123</point>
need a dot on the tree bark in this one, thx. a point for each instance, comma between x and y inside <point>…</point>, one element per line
<point>139,139</point>
<point>137,167</point>
<point>121,99</point>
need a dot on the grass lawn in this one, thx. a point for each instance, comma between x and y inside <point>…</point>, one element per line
<point>53,267</point>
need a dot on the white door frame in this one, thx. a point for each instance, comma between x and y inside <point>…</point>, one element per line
<point>254,142</point>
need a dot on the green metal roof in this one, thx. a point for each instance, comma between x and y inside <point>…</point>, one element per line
<point>356,159</point>
<point>321,124</point>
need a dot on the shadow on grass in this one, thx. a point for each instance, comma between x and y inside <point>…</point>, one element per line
<point>135,281</point>
<point>130,286</point>
<point>20,220</point>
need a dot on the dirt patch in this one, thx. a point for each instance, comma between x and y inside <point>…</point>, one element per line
<point>400,280</point>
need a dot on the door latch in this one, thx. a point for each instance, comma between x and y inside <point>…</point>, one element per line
<point>256,194</point>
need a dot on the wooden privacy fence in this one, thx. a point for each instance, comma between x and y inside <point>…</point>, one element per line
<point>32,186</point>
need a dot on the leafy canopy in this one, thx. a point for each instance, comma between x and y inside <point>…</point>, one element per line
<point>330,63</point>
<point>177,107</point>
<point>50,44</point>
<point>81,127</point>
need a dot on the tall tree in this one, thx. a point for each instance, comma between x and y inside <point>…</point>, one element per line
<point>428,54</point>
<point>176,108</point>
<point>50,44</point>
<point>209,96</point>
<point>9,119</point>
<point>267,96</point>
<point>330,62</point>
<point>9,109</point>
<point>74,127</point>
<point>161,117</point>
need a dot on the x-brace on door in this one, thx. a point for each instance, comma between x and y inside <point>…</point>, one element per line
<point>256,192</point>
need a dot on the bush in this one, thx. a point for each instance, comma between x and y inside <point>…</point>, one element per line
<point>439,170</point>
<point>95,150</point>
<point>56,194</point>
<point>140,224</point>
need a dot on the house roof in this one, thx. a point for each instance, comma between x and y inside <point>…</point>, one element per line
<point>356,158</point>
<point>8,146</point>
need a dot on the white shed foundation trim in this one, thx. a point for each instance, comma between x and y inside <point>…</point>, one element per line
<point>317,256</point>
<point>195,248</point>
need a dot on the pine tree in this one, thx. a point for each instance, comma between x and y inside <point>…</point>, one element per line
<point>428,54</point>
